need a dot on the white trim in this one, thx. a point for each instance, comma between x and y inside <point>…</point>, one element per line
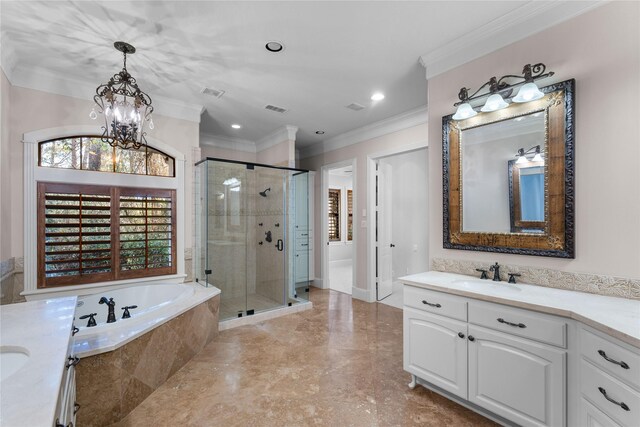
<point>531,18</point>
<point>265,315</point>
<point>324,253</point>
<point>44,80</point>
<point>285,133</point>
<point>40,135</point>
<point>361,294</point>
<point>371,207</point>
<point>228,143</point>
<point>402,121</point>
<point>34,173</point>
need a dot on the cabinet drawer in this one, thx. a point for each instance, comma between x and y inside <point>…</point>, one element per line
<point>594,383</point>
<point>303,244</point>
<point>590,416</point>
<point>621,363</point>
<point>435,302</point>
<point>303,234</point>
<point>524,323</point>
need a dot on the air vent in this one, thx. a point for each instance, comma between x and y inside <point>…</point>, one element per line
<point>212,92</point>
<point>355,106</point>
<point>274,108</point>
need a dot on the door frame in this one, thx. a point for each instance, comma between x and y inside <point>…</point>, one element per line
<point>371,208</point>
<point>324,253</point>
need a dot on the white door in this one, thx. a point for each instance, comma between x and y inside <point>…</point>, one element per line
<point>435,349</point>
<point>519,379</point>
<point>383,227</point>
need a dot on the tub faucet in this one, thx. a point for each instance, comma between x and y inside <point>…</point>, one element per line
<point>111,304</point>
<point>496,272</point>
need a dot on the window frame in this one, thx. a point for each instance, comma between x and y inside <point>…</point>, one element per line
<point>113,157</point>
<point>115,192</point>
<point>337,213</point>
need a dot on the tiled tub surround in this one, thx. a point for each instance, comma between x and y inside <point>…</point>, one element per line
<point>30,395</point>
<point>581,282</point>
<point>11,281</point>
<point>122,366</point>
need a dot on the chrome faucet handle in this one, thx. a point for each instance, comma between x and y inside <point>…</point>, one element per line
<point>483,274</point>
<point>512,277</point>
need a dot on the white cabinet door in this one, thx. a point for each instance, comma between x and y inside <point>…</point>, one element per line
<point>519,379</point>
<point>590,416</point>
<point>435,349</point>
<point>302,266</point>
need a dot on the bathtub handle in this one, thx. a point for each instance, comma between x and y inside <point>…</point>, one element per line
<point>280,245</point>
<point>126,314</point>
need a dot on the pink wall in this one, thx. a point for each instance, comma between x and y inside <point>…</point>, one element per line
<point>281,154</point>
<point>5,165</point>
<point>601,50</point>
<point>32,110</point>
<point>408,137</point>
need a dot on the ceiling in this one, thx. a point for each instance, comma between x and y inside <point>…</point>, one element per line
<point>336,53</point>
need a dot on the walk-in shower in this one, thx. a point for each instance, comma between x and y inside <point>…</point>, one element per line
<point>252,235</point>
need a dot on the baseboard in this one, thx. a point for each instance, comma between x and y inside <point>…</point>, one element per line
<point>317,283</point>
<point>361,294</point>
<point>265,315</point>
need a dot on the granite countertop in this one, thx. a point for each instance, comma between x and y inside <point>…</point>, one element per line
<point>30,395</point>
<point>618,317</point>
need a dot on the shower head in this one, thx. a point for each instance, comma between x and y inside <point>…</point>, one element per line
<point>264,193</point>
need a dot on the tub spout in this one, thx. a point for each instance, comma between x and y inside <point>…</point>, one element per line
<point>111,304</point>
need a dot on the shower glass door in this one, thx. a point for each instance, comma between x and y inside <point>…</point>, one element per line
<point>269,268</point>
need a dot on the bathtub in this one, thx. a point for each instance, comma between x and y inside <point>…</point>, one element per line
<point>156,305</point>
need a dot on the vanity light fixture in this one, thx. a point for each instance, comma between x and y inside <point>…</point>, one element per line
<point>502,88</point>
<point>124,106</point>
<point>522,155</point>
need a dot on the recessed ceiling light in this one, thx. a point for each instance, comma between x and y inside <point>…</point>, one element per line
<point>378,96</point>
<point>274,46</point>
<point>319,132</point>
<point>236,126</point>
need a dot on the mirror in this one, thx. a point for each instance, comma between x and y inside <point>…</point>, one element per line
<point>508,177</point>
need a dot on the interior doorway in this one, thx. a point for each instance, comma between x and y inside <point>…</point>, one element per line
<point>339,230</point>
<point>400,223</point>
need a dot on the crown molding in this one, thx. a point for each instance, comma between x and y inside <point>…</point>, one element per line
<point>228,143</point>
<point>285,133</point>
<point>45,81</point>
<point>529,19</point>
<point>396,123</point>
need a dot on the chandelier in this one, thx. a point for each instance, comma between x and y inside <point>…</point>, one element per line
<point>124,106</point>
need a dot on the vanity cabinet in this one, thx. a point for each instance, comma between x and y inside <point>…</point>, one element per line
<point>514,367</point>
<point>609,381</point>
<point>67,406</point>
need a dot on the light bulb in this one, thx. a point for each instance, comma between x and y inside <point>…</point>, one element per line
<point>108,111</point>
<point>494,102</point>
<point>528,92</point>
<point>117,113</point>
<point>93,115</point>
<point>464,111</point>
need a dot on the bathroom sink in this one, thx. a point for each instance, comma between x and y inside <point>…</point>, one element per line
<point>478,285</point>
<point>11,360</point>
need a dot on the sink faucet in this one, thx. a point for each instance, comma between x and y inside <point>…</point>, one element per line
<point>111,304</point>
<point>496,272</point>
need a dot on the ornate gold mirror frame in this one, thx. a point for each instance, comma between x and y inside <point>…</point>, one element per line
<point>557,238</point>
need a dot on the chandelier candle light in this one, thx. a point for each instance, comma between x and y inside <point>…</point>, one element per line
<point>500,89</point>
<point>124,106</point>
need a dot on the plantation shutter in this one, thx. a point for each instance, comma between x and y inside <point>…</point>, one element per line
<point>147,232</point>
<point>334,214</point>
<point>349,215</point>
<point>92,233</point>
<point>75,224</point>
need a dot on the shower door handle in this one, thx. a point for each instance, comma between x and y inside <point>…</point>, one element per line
<point>280,245</point>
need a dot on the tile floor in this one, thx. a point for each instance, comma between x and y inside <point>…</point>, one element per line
<point>341,276</point>
<point>339,364</point>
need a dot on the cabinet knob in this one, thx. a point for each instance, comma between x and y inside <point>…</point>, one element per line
<point>471,338</point>
<point>460,334</point>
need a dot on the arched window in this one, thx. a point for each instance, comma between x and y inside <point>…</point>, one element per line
<point>93,154</point>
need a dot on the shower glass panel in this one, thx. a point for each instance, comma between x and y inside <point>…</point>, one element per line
<point>246,241</point>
